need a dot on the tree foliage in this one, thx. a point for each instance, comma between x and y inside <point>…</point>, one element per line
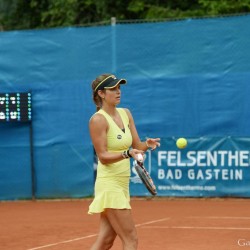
<point>31,14</point>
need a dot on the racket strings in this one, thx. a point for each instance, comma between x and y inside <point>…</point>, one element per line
<point>145,177</point>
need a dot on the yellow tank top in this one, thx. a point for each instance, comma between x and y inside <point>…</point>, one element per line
<point>117,141</point>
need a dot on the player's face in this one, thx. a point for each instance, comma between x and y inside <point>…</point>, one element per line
<point>113,96</point>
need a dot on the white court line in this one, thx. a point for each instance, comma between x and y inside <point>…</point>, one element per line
<point>186,227</point>
<point>92,235</point>
<point>151,222</point>
<point>218,217</point>
<point>63,242</point>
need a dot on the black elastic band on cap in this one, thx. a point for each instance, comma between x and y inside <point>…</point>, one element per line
<point>104,83</point>
<point>107,83</point>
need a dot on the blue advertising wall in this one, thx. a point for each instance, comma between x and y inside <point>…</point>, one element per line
<point>207,167</point>
<point>187,78</point>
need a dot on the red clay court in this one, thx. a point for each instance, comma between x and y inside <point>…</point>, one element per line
<point>172,224</point>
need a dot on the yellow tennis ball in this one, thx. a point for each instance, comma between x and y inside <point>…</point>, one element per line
<point>181,143</point>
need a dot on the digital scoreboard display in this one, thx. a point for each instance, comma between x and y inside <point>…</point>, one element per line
<point>15,107</point>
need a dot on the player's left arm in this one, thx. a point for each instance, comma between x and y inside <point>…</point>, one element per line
<point>152,143</point>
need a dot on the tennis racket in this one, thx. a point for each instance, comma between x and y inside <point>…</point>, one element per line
<point>145,177</point>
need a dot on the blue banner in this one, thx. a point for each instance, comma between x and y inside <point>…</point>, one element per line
<point>189,77</point>
<point>211,167</point>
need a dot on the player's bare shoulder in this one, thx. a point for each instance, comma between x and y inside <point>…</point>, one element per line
<point>128,112</point>
<point>98,121</point>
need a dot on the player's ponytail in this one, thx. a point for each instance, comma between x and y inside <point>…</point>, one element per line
<point>96,98</point>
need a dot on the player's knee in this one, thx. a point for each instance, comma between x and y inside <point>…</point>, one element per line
<point>133,238</point>
<point>108,245</point>
<point>108,242</point>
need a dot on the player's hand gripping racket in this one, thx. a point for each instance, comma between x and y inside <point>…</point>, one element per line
<point>144,175</point>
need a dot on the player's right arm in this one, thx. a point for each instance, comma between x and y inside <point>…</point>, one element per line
<point>98,128</point>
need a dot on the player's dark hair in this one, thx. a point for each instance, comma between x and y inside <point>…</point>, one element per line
<point>96,98</point>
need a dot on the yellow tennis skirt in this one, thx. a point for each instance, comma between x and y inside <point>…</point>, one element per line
<point>110,192</point>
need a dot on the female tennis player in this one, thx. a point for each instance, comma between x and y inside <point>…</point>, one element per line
<point>113,132</point>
